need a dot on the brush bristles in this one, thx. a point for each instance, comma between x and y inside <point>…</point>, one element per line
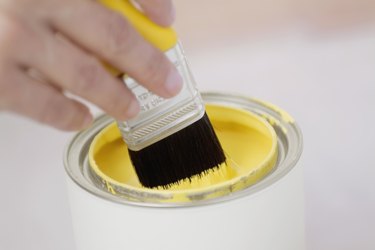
<point>191,151</point>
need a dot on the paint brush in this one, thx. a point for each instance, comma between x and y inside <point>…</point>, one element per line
<point>171,139</point>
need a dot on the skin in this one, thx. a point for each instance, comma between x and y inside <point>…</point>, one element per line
<point>52,47</point>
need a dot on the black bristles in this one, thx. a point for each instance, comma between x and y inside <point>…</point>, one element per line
<point>188,152</point>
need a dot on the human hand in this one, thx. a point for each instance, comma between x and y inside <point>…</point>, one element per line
<point>50,47</point>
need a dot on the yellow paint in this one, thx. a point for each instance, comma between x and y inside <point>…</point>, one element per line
<point>249,142</point>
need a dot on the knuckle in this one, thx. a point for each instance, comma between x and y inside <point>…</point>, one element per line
<point>88,76</point>
<point>119,34</point>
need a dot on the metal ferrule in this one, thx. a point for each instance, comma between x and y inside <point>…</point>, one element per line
<point>160,117</point>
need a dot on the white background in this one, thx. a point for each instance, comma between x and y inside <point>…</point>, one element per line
<point>327,83</point>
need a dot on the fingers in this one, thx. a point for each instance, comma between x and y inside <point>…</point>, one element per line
<point>94,32</point>
<point>20,91</point>
<point>108,35</point>
<point>72,69</point>
<point>161,12</point>
<point>81,74</point>
<point>45,104</point>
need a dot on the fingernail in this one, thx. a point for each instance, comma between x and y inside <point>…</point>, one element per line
<point>133,109</point>
<point>173,83</point>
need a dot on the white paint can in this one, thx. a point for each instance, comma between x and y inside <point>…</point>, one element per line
<point>266,215</point>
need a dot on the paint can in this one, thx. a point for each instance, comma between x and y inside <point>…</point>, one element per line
<point>259,207</point>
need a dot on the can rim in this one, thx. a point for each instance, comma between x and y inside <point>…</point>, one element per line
<point>284,166</point>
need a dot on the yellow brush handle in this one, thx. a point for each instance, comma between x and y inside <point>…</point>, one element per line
<point>161,37</point>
